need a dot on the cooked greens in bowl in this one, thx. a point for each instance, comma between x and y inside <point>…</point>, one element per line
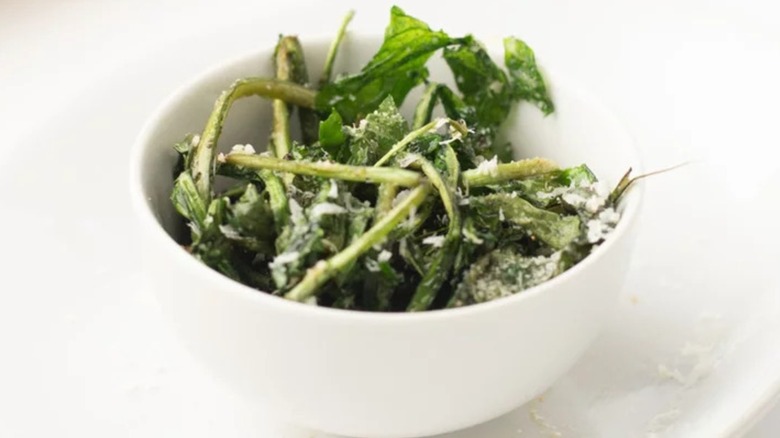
<point>366,209</point>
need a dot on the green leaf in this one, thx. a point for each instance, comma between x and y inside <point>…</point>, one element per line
<point>395,69</point>
<point>502,273</point>
<point>482,82</point>
<point>538,189</point>
<point>439,269</point>
<point>315,231</point>
<point>527,82</point>
<point>187,200</point>
<point>486,94</point>
<point>251,222</point>
<point>380,280</point>
<point>331,134</point>
<point>210,245</point>
<point>376,134</point>
<point>551,228</point>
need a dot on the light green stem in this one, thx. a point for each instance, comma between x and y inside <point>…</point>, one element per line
<point>277,195</point>
<point>324,270</point>
<point>384,201</point>
<point>439,270</point>
<point>202,164</point>
<point>330,59</point>
<point>424,109</point>
<point>325,169</point>
<point>280,135</point>
<point>410,137</point>
<point>508,171</point>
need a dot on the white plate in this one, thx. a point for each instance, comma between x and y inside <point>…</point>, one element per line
<point>692,350</point>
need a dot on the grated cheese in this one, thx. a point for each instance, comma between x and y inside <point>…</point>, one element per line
<point>434,241</point>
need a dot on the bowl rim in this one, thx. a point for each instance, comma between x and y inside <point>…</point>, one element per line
<point>154,231</point>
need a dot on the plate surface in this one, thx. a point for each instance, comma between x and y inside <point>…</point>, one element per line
<point>692,350</point>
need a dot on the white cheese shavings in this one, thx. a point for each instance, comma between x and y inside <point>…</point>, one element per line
<point>326,208</point>
<point>242,149</point>
<point>333,193</point>
<point>284,258</point>
<point>594,203</point>
<point>229,232</point>
<point>440,122</point>
<point>296,211</point>
<point>372,265</point>
<point>602,225</point>
<point>489,167</point>
<point>576,200</point>
<point>407,160</point>
<point>434,241</point>
<point>401,196</point>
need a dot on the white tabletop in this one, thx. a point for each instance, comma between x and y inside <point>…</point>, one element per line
<point>51,52</point>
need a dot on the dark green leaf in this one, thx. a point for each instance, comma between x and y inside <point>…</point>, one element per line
<point>551,228</point>
<point>187,201</point>
<point>251,223</point>
<point>395,69</point>
<point>482,83</point>
<point>527,82</point>
<point>331,134</point>
<point>538,189</point>
<point>502,273</point>
<point>376,134</point>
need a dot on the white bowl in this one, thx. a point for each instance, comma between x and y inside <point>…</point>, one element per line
<point>370,374</point>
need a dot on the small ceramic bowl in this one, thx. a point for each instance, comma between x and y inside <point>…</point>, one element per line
<point>370,374</point>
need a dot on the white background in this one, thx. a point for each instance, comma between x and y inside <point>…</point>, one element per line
<point>52,53</point>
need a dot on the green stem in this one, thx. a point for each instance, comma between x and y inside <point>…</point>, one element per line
<point>424,109</point>
<point>384,201</point>
<point>280,134</point>
<point>325,169</point>
<point>203,163</point>
<point>324,270</point>
<point>277,198</point>
<point>508,171</point>
<point>439,270</point>
<point>309,120</point>
<point>410,137</point>
<point>414,223</point>
<point>330,59</point>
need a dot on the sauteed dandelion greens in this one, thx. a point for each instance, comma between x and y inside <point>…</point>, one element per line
<point>371,211</point>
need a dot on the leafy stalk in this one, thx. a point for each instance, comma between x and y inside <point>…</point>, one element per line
<point>324,270</point>
<point>291,66</point>
<point>202,159</point>
<point>330,59</point>
<point>424,109</point>
<point>439,269</point>
<point>277,198</point>
<point>553,229</point>
<point>324,169</point>
<point>395,69</point>
<point>384,201</point>
<point>410,137</point>
<point>627,181</point>
<point>280,134</point>
<point>507,171</point>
